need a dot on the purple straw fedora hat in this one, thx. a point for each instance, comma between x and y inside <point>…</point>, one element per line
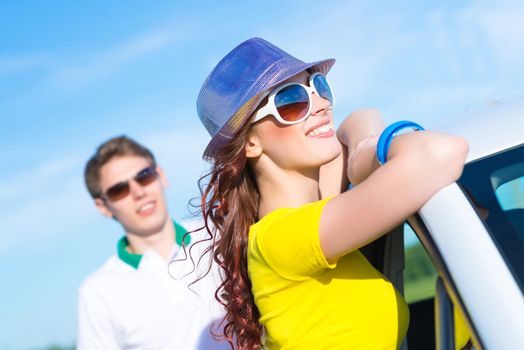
<point>239,82</point>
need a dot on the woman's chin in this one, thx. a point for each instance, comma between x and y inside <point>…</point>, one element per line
<point>330,154</point>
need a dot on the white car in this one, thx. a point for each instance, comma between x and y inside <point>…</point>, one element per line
<point>473,233</point>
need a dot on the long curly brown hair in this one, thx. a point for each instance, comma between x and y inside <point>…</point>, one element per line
<point>229,205</point>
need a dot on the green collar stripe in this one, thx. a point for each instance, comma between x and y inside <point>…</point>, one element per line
<point>127,257</point>
<point>133,260</point>
<point>180,232</point>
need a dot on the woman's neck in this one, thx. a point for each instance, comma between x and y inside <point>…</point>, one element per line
<point>287,189</point>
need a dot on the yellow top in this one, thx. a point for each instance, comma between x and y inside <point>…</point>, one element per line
<point>462,333</point>
<point>306,302</point>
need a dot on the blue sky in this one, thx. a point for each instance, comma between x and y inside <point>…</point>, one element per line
<point>73,74</point>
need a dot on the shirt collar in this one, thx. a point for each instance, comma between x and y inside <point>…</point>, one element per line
<point>133,260</point>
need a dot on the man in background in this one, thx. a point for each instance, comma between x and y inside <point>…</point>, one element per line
<point>133,301</point>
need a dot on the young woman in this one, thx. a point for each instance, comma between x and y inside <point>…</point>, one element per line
<point>285,236</point>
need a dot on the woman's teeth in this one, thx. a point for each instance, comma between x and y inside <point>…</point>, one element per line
<point>321,129</point>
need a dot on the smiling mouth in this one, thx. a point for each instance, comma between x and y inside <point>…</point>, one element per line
<point>323,130</point>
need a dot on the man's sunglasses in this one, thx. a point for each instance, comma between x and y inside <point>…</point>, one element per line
<point>120,190</point>
<point>291,103</point>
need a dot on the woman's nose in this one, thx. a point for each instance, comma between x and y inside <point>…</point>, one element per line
<point>319,104</point>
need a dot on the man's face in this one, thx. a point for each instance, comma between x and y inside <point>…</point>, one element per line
<point>143,211</point>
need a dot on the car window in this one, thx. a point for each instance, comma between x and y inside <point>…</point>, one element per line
<point>495,186</point>
<point>419,273</point>
<point>510,195</point>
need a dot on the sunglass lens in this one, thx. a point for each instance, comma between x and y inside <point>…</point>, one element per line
<point>322,86</point>
<point>118,191</point>
<point>292,102</point>
<point>146,176</point>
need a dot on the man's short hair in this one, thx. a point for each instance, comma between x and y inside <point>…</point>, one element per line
<point>115,147</point>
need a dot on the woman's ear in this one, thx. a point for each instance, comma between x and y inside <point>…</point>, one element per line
<point>252,146</point>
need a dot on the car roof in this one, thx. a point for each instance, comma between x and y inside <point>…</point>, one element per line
<point>494,128</point>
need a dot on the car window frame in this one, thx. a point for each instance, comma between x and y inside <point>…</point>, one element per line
<point>496,240</point>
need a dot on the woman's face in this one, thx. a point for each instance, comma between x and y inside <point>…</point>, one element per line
<point>308,144</point>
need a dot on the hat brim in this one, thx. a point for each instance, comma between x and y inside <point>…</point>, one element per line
<point>244,113</point>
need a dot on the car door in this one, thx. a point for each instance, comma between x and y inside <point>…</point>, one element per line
<point>472,236</point>
<point>477,264</point>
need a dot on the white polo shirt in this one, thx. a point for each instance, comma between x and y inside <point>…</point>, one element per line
<point>133,302</point>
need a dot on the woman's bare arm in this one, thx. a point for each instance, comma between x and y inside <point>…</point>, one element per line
<point>419,164</point>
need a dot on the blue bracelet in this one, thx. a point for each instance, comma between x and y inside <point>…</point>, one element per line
<point>388,134</point>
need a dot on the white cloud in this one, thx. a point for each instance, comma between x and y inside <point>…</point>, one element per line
<point>454,60</point>
<point>106,62</point>
<point>501,23</point>
<point>431,105</point>
<point>88,67</point>
<point>43,202</point>
<point>24,62</point>
<point>44,176</point>
<point>479,50</point>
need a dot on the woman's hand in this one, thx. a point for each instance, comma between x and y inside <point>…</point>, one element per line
<point>362,160</point>
<point>358,125</point>
<point>359,132</point>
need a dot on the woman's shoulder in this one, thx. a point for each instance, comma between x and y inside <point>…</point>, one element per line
<point>270,218</point>
<point>293,215</point>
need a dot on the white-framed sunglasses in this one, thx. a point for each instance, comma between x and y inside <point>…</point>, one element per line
<point>291,103</point>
